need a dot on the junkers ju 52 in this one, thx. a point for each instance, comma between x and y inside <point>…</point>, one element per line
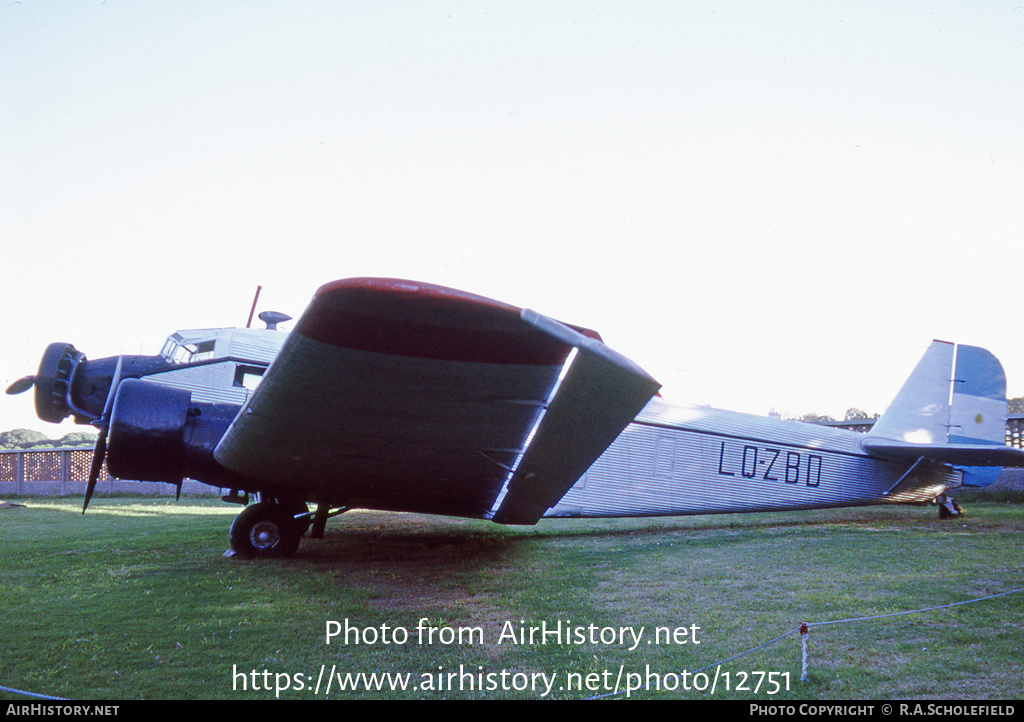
<point>399,395</point>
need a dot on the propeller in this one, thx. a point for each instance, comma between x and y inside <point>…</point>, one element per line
<point>21,385</point>
<point>100,452</point>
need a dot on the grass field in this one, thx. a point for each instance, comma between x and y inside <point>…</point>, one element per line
<point>136,600</point>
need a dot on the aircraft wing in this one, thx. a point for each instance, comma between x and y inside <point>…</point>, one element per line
<point>399,395</point>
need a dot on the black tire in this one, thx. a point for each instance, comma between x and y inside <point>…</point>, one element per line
<point>265,531</point>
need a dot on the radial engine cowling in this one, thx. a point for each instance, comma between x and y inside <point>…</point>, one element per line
<point>53,381</point>
<point>147,432</point>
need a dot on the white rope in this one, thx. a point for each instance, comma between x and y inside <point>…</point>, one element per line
<point>29,694</point>
<point>916,611</point>
<point>804,630</point>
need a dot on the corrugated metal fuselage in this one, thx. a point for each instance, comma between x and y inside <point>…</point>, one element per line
<point>679,460</point>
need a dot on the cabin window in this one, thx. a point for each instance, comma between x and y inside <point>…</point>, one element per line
<point>248,377</point>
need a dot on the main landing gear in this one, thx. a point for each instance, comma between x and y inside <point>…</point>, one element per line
<point>269,529</point>
<point>272,528</point>
<point>948,507</point>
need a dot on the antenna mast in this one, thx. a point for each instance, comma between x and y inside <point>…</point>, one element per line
<point>253,309</point>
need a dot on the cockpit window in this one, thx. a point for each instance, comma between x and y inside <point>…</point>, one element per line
<point>170,345</point>
<point>201,351</point>
<point>187,352</point>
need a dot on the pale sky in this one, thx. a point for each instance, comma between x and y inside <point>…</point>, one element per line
<point>766,205</point>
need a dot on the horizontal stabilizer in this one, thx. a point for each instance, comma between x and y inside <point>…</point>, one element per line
<point>958,454</point>
<point>601,392</point>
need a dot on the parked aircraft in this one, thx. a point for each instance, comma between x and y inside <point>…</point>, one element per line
<point>406,396</point>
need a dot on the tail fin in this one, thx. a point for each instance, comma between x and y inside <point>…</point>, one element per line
<point>952,409</point>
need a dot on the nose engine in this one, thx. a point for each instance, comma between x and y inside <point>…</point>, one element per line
<point>53,382</point>
<point>66,384</point>
<point>147,431</point>
<point>155,432</point>
<point>69,384</point>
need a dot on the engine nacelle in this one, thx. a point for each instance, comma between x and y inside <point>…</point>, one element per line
<point>147,432</point>
<point>157,433</point>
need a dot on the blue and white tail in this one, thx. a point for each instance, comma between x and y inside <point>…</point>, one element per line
<point>952,410</point>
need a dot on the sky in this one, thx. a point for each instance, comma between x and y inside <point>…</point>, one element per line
<point>770,206</point>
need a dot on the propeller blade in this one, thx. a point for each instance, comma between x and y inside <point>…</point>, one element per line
<point>114,381</point>
<point>100,452</point>
<point>94,471</point>
<point>21,385</point>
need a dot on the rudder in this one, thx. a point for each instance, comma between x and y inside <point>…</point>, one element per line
<point>977,411</point>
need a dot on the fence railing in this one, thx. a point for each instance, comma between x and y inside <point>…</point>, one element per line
<point>65,472</point>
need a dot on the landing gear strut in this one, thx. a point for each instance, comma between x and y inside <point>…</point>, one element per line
<point>269,529</point>
<point>948,508</point>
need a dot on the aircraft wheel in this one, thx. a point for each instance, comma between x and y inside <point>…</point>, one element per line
<point>265,530</point>
<point>949,508</point>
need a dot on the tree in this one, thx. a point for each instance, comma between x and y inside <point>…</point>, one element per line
<point>855,414</point>
<point>22,439</point>
<point>816,418</point>
<point>77,438</point>
<point>28,439</point>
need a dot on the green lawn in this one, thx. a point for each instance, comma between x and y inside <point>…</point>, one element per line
<point>137,600</point>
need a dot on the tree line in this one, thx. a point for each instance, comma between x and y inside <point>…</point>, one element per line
<point>1013,406</point>
<point>21,439</point>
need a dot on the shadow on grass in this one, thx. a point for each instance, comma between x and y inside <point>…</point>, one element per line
<point>410,543</point>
